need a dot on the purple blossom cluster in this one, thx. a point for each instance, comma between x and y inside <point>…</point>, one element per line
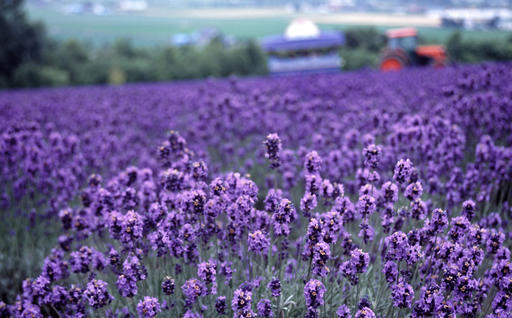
<point>404,195</point>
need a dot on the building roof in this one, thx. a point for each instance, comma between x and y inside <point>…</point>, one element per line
<point>400,33</point>
<point>322,40</point>
<point>301,28</point>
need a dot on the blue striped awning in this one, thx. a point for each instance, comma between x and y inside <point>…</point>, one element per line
<point>281,43</point>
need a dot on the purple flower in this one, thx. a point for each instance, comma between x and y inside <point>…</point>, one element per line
<point>314,293</point>
<point>430,299</point>
<point>500,270</point>
<point>414,254</point>
<point>313,163</point>
<point>220,305</point>
<point>365,205</point>
<point>188,233</point>
<point>367,232</point>
<point>364,303</point>
<point>372,155</point>
<point>398,245</point>
<point>494,241</point>
<point>99,261</point>
<point>66,218</point>
<point>216,205</point>
<point>207,271</point>
<point>272,200</point>
<point>218,187</point>
<point>30,311</point>
<point>4,310</point>
<point>413,191</point>
<point>503,253</point>
<point>191,314</point>
<point>418,209</point>
<point>115,224</point>
<point>402,294</point>
<point>345,208</point>
<point>265,308</point>
<point>159,241</point>
<point>133,271</point>
<point>131,229</point>
<point>171,180</point>
<point>331,225</point>
<point>284,215</point>
<point>113,256</point>
<point>275,287</point>
<point>199,170</point>
<point>403,170</point>
<point>476,235</point>
<point>307,204</point>
<point>54,266</point>
<point>273,145</point>
<point>438,222</point>
<point>321,254</point>
<point>313,183</point>
<point>468,209</point>
<point>226,271</point>
<point>365,313</point>
<point>65,242</point>
<point>343,312</point>
<point>459,228</point>
<point>97,294</point>
<point>193,289</point>
<point>168,286</point>
<point>241,303</point>
<point>241,209</point>
<point>498,313</point>
<point>193,202</point>
<point>391,271</point>
<point>148,307</point>
<point>81,259</point>
<point>258,243</point>
<point>389,192</point>
<point>357,264</point>
<point>502,301</point>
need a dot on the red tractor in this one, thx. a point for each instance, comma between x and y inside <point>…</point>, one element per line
<point>403,50</point>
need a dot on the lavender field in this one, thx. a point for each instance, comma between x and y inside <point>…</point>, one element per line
<point>339,195</point>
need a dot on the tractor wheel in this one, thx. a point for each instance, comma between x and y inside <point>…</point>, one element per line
<point>392,63</point>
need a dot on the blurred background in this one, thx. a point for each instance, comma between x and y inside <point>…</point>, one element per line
<point>84,42</point>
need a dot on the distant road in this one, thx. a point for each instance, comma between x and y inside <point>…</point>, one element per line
<point>342,18</point>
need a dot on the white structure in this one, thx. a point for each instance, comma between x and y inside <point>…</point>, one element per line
<point>132,5</point>
<point>301,29</point>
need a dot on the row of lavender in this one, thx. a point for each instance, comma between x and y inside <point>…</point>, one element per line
<point>389,198</point>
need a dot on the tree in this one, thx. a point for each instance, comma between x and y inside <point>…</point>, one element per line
<point>365,38</point>
<point>21,41</point>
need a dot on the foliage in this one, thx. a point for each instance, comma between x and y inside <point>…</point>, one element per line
<point>21,41</point>
<point>358,58</point>
<point>34,75</point>
<point>471,51</point>
<point>73,62</point>
<point>368,39</point>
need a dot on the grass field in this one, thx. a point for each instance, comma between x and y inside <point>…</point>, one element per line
<point>155,27</point>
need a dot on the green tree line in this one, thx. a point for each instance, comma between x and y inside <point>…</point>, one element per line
<point>74,63</point>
